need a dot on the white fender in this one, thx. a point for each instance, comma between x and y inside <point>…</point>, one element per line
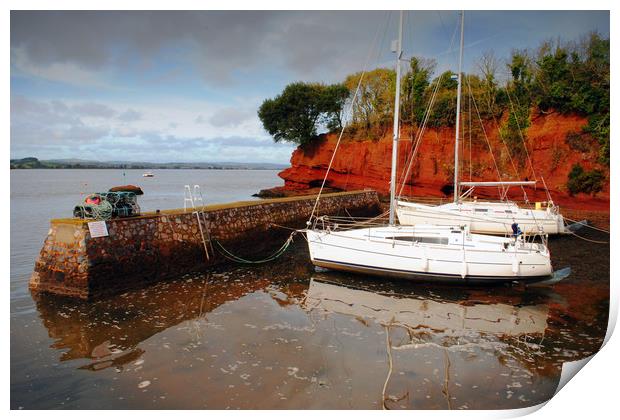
<point>425,261</point>
<point>464,265</point>
<point>515,266</point>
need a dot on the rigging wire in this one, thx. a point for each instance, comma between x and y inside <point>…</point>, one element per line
<point>349,159</point>
<point>504,143</point>
<point>331,161</point>
<point>520,132</point>
<point>485,134</point>
<point>418,140</point>
<point>422,127</point>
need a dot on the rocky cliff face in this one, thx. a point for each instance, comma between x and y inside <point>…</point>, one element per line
<point>366,163</point>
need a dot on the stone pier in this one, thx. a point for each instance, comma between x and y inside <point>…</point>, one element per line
<point>157,246</point>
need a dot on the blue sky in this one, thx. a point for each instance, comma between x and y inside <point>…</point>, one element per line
<point>185,86</point>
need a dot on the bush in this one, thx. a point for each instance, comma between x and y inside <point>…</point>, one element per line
<point>578,141</point>
<point>589,182</point>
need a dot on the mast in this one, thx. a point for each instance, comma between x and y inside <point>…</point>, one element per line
<point>399,51</point>
<point>458,117</point>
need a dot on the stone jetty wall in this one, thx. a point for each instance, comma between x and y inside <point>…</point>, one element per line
<point>157,246</point>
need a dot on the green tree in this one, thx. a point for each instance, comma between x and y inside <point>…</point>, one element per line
<point>374,104</point>
<point>492,98</point>
<point>333,99</point>
<point>574,77</point>
<point>514,130</point>
<point>301,109</point>
<point>589,182</point>
<point>443,113</point>
<point>414,89</point>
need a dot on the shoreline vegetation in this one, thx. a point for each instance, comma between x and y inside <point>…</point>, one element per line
<point>34,163</point>
<point>505,100</point>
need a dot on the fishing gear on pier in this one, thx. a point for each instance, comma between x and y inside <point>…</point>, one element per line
<point>107,205</point>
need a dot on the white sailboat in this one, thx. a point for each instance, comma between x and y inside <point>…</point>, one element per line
<point>489,217</point>
<point>496,218</point>
<point>427,252</point>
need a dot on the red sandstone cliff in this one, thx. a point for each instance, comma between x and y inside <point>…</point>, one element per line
<point>366,163</point>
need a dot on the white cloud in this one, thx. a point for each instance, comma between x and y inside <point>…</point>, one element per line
<point>162,132</point>
<point>130,115</point>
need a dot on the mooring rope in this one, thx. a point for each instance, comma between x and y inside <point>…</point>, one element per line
<point>230,256</point>
<point>588,240</point>
<point>586,225</point>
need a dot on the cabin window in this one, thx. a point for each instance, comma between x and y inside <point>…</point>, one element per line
<point>508,211</point>
<point>481,210</point>
<point>421,239</point>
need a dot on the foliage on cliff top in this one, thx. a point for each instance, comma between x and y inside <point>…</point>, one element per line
<point>301,109</point>
<point>589,182</point>
<point>565,77</point>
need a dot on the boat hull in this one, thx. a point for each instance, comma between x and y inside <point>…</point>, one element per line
<point>495,222</point>
<point>368,251</point>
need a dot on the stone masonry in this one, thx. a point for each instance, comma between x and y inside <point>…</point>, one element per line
<point>158,246</point>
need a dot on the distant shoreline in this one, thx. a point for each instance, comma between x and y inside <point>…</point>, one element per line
<point>160,169</point>
<point>34,163</point>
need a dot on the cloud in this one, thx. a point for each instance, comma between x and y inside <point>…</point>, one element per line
<point>92,109</point>
<point>130,115</point>
<point>231,116</point>
<point>61,129</point>
<point>57,71</point>
<point>219,45</point>
<point>225,48</point>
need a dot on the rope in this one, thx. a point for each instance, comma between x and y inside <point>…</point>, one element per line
<point>388,345</point>
<point>124,204</point>
<point>586,225</point>
<point>588,240</point>
<point>230,256</point>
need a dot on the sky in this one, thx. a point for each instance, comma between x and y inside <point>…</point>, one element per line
<point>185,86</point>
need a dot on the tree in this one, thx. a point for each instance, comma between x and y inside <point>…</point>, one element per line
<point>491,94</point>
<point>333,99</point>
<point>414,86</point>
<point>589,182</point>
<point>519,90</point>
<point>301,109</point>
<point>554,77</point>
<point>443,113</point>
<point>374,104</point>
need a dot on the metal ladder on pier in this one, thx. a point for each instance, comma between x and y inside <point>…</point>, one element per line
<point>193,198</point>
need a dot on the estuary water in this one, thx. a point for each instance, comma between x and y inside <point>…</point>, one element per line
<point>283,335</point>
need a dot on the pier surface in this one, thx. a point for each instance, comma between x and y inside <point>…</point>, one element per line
<point>157,246</point>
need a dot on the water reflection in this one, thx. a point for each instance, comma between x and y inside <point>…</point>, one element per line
<point>108,332</point>
<point>425,313</point>
<point>284,336</point>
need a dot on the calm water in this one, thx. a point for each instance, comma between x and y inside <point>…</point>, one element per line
<point>283,335</point>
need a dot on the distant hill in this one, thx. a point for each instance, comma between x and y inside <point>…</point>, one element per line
<point>34,163</point>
